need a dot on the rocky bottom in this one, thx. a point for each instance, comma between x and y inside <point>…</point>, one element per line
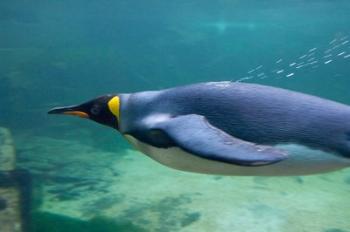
<point>82,188</point>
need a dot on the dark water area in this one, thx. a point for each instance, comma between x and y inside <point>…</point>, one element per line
<point>66,52</point>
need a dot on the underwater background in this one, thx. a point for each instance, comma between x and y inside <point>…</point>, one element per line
<point>88,178</point>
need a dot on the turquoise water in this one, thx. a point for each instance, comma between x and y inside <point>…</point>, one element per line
<point>87,176</point>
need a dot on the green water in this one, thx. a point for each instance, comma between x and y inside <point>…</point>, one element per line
<point>86,176</point>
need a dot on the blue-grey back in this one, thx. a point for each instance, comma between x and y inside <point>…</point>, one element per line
<point>252,112</point>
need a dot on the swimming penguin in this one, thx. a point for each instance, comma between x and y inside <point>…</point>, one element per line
<point>229,128</point>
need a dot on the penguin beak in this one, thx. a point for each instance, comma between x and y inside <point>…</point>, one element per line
<point>69,110</point>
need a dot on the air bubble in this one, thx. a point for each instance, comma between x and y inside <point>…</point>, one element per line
<point>312,49</point>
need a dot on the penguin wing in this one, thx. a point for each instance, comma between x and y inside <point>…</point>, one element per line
<point>194,134</point>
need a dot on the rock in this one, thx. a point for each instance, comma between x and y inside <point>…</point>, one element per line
<point>7,151</point>
<point>15,188</point>
<point>10,213</point>
<point>10,218</point>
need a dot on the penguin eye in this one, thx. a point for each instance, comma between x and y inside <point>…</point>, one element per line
<point>95,110</point>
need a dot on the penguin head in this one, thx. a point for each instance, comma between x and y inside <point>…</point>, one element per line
<point>103,110</point>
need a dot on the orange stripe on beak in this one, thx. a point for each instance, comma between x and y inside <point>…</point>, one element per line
<point>77,113</point>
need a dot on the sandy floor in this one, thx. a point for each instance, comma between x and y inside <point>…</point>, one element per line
<point>132,187</point>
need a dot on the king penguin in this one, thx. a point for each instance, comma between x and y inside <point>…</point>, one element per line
<point>228,128</point>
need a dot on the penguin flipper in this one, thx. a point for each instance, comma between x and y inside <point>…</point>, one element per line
<point>194,134</point>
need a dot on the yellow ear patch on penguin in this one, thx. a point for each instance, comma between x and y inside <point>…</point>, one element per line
<point>114,106</point>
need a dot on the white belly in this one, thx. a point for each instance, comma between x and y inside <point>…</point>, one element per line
<point>301,161</point>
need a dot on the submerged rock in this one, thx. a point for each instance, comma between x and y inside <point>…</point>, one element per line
<point>7,151</point>
<point>14,188</point>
